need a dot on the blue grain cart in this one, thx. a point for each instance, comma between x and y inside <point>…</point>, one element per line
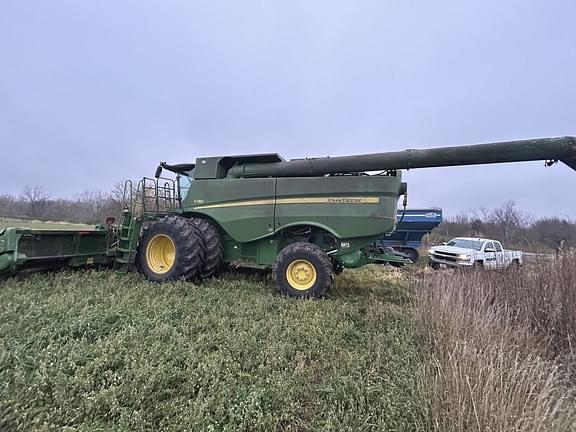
<point>412,226</point>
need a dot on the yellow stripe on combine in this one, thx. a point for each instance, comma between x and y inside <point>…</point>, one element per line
<point>329,200</point>
<point>237,204</point>
<point>299,200</point>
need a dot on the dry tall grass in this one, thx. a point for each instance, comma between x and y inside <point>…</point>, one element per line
<point>500,345</point>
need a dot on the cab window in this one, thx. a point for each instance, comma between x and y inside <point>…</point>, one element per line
<point>184,183</point>
<point>489,245</point>
<point>498,247</point>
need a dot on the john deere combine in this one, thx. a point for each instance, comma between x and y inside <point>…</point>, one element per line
<point>306,219</point>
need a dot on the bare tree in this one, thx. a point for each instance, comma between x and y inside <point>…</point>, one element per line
<point>93,203</point>
<point>513,227</point>
<point>508,222</point>
<point>555,233</point>
<point>10,206</point>
<point>117,193</point>
<point>37,200</point>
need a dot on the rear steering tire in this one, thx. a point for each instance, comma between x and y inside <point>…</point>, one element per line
<point>303,270</point>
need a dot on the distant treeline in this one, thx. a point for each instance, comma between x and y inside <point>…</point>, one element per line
<point>35,203</point>
<point>513,227</point>
<point>506,223</point>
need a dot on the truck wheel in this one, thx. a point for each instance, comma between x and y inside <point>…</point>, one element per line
<point>434,265</point>
<point>303,270</point>
<point>171,248</point>
<point>478,265</point>
<point>213,245</point>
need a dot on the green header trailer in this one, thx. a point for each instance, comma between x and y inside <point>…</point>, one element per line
<point>33,249</point>
<point>305,219</point>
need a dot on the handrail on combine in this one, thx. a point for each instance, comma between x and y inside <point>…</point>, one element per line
<point>151,196</point>
<point>127,195</point>
<point>149,199</point>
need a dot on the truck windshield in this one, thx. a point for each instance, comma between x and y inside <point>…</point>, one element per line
<point>466,244</point>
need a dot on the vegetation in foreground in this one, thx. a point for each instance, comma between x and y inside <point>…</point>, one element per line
<point>464,351</point>
<point>101,351</point>
<point>500,348</point>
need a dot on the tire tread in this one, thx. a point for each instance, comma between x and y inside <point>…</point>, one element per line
<point>213,245</point>
<point>190,248</point>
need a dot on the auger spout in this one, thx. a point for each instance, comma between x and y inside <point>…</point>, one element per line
<point>547,149</point>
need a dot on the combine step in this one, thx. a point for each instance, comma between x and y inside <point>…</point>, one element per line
<point>27,249</point>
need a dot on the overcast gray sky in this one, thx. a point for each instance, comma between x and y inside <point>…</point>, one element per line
<point>92,92</point>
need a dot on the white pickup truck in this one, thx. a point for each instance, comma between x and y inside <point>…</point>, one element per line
<point>473,252</point>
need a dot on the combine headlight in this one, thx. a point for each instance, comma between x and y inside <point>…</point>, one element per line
<point>465,257</point>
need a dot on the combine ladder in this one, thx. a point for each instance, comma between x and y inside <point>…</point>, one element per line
<point>128,232</point>
<point>151,201</point>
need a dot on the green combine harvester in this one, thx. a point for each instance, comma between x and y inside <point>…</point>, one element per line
<point>305,219</point>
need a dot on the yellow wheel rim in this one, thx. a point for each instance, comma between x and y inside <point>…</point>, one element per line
<point>160,254</point>
<point>301,274</point>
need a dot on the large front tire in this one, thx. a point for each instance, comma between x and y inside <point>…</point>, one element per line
<point>303,270</point>
<point>214,248</point>
<point>171,248</point>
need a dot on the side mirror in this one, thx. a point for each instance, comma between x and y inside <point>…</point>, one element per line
<point>158,172</point>
<point>489,250</point>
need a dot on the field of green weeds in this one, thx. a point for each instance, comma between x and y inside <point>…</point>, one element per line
<point>98,351</point>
